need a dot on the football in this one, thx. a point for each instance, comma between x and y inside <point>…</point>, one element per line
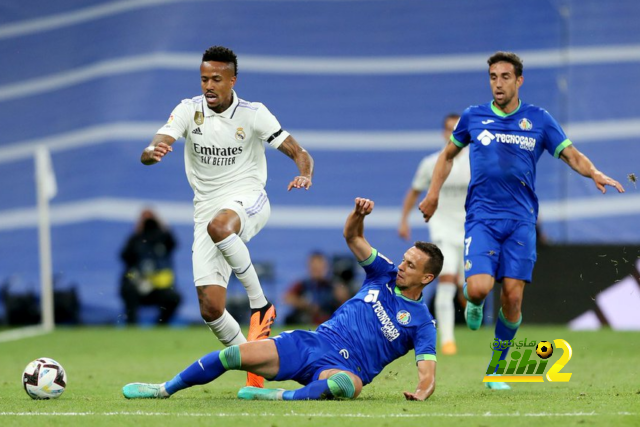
<point>44,378</point>
<point>544,349</point>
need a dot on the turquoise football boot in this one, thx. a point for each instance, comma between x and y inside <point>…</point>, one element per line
<point>144,391</point>
<point>497,385</point>
<point>473,315</point>
<point>255,393</point>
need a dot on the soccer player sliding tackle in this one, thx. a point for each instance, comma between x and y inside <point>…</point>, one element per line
<point>381,323</point>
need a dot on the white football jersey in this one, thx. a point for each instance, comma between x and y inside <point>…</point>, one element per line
<point>447,224</point>
<point>224,153</point>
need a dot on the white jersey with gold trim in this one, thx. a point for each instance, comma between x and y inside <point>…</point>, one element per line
<point>224,153</point>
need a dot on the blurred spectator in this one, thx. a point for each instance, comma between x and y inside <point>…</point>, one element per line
<point>315,298</point>
<point>148,277</point>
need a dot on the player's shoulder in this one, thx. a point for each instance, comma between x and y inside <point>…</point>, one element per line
<point>249,105</point>
<point>192,103</point>
<point>477,109</point>
<point>531,108</point>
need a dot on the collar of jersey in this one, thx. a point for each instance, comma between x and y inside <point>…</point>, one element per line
<point>399,294</point>
<point>500,113</point>
<point>208,112</point>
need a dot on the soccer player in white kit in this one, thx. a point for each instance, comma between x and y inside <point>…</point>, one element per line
<point>446,230</point>
<point>226,167</point>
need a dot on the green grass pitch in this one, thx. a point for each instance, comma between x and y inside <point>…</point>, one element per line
<point>604,388</point>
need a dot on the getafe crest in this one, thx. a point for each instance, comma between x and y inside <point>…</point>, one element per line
<point>240,135</point>
<point>467,265</point>
<point>198,117</point>
<point>403,317</point>
<point>525,124</point>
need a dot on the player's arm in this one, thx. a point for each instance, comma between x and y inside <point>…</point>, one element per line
<point>354,229</point>
<point>427,381</point>
<point>441,172</point>
<point>404,230</point>
<point>581,164</point>
<point>159,147</point>
<point>303,160</point>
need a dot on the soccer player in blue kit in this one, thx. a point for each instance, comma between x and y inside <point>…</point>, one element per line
<point>506,137</point>
<point>381,323</point>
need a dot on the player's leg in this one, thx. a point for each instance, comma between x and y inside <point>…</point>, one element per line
<point>224,229</point>
<point>260,357</point>
<point>508,321</point>
<point>481,255</point>
<point>516,267</point>
<point>236,223</point>
<point>212,299</point>
<point>211,276</point>
<point>445,293</point>
<point>331,384</point>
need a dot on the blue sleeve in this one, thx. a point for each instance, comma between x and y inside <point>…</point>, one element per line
<point>460,135</point>
<point>377,265</point>
<point>555,140</point>
<point>425,341</point>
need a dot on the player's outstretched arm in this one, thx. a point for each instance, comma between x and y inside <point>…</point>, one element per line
<point>581,164</point>
<point>404,230</point>
<point>427,381</point>
<point>441,171</point>
<point>160,146</point>
<point>354,229</point>
<point>303,160</point>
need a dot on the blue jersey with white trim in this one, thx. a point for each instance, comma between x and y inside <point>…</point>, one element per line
<point>379,325</point>
<point>504,151</point>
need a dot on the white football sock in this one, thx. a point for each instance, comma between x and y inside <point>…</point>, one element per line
<point>445,311</point>
<point>227,329</point>
<point>237,255</point>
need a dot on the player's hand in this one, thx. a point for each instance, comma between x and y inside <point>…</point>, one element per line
<point>412,396</point>
<point>601,180</point>
<point>404,231</point>
<point>428,207</point>
<point>363,206</point>
<point>154,154</point>
<point>300,182</point>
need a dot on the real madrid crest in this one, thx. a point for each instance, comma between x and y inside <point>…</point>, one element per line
<point>198,117</point>
<point>240,135</point>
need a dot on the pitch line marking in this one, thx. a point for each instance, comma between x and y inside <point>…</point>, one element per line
<point>318,415</point>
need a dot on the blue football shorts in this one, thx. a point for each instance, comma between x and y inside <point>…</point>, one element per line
<point>501,248</point>
<point>304,355</point>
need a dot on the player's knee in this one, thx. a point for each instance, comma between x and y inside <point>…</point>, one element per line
<point>230,357</point>
<point>219,229</point>
<point>342,386</point>
<point>209,311</point>
<point>511,302</point>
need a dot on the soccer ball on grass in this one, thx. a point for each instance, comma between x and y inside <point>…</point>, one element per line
<point>44,378</point>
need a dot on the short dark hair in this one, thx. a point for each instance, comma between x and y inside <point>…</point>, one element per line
<point>509,57</point>
<point>434,265</point>
<point>221,54</point>
<point>449,117</point>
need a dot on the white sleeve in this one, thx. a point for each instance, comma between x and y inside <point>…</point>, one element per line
<point>268,128</point>
<point>422,178</point>
<point>178,123</point>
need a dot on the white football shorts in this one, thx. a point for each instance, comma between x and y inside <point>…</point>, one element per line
<point>209,266</point>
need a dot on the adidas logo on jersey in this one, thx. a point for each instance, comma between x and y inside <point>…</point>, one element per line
<point>196,131</point>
